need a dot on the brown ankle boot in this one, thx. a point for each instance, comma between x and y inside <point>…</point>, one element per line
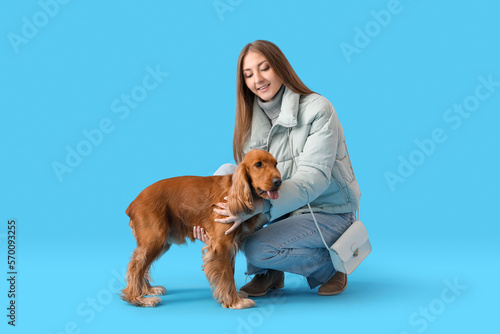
<point>260,284</point>
<point>334,285</point>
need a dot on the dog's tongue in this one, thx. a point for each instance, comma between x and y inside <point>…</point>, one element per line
<point>273,194</point>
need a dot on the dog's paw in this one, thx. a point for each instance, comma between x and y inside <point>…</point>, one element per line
<point>157,291</point>
<point>149,301</point>
<point>242,303</point>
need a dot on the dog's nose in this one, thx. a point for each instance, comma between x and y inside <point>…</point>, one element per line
<point>277,182</point>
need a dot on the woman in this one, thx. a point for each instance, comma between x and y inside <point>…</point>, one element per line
<point>276,112</point>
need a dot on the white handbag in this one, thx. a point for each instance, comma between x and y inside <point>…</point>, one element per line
<point>351,248</point>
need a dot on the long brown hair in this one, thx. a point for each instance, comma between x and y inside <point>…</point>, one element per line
<point>245,97</point>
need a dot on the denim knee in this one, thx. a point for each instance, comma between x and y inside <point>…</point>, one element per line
<point>256,251</point>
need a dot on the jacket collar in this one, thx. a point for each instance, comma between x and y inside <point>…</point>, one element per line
<point>261,126</point>
<point>289,109</point>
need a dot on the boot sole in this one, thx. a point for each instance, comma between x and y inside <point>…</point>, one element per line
<point>332,293</point>
<point>275,287</point>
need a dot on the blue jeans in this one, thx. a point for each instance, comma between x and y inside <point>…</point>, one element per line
<point>294,245</point>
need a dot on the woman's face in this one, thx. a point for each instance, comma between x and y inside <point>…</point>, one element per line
<point>260,77</point>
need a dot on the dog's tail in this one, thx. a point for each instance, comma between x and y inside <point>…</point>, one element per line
<point>129,213</point>
<point>131,224</point>
<point>129,210</point>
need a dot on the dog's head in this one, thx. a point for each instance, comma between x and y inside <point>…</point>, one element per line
<point>257,175</point>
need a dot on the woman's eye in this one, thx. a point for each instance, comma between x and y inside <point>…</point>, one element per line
<point>248,76</point>
<point>265,69</point>
<point>258,164</point>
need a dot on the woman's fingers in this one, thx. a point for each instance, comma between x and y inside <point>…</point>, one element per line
<point>235,225</point>
<point>200,234</point>
<point>227,220</point>
<point>221,209</point>
<point>222,212</point>
<point>197,232</point>
<point>221,205</point>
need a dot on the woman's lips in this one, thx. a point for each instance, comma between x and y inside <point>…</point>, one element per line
<point>264,88</point>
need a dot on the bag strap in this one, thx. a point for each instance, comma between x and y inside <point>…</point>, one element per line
<point>356,214</point>
<point>308,205</point>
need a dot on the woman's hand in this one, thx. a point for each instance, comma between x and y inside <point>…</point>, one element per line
<point>236,220</point>
<point>200,234</point>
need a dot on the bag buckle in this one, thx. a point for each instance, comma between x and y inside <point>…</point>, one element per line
<point>356,252</point>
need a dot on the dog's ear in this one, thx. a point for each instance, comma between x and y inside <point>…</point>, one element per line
<point>239,197</point>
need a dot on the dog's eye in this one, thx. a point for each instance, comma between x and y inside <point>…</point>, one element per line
<point>258,164</point>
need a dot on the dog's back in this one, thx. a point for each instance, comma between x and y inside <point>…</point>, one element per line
<point>181,202</point>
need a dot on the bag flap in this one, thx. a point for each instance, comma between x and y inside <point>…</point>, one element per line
<point>348,243</point>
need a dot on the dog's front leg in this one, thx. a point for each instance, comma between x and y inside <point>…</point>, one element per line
<point>218,264</point>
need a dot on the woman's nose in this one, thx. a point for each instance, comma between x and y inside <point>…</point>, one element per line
<point>258,77</point>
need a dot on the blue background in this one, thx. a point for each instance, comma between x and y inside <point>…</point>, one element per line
<point>436,228</point>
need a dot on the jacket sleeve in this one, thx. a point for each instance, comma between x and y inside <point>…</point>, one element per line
<point>313,173</point>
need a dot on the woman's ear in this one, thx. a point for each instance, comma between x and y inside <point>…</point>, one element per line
<point>239,197</point>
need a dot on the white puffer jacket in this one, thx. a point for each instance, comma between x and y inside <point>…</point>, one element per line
<point>309,126</point>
